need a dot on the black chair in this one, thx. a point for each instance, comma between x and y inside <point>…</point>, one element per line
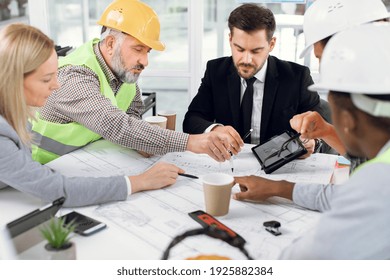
<point>62,51</point>
<point>149,99</point>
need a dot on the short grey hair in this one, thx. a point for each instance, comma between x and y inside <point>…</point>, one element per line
<point>119,36</point>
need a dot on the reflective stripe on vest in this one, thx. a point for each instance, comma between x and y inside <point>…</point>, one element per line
<point>54,139</point>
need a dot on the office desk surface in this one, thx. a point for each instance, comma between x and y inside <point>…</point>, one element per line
<point>142,226</point>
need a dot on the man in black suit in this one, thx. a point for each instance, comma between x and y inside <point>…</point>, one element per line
<point>279,90</point>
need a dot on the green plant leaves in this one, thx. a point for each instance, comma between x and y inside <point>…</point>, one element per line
<point>57,233</point>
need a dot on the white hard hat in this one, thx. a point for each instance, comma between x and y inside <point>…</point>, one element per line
<point>327,17</point>
<point>357,61</point>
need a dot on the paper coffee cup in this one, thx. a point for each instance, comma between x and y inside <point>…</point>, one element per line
<point>217,189</point>
<point>171,118</point>
<point>157,120</point>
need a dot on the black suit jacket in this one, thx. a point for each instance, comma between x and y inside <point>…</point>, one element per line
<point>285,95</point>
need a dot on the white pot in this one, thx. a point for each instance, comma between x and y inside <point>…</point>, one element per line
<point>67,253</point>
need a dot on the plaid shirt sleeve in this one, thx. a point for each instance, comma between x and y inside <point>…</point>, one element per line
<point>79,100</point>
<point>137,106</point>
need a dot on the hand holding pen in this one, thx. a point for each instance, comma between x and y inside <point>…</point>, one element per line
<point>231,140</point>
<point>231,154</point>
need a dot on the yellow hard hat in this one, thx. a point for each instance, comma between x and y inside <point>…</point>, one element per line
<point>136,19</point>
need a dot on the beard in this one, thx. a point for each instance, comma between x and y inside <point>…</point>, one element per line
<point>247,70</point>
<point>119,68</point>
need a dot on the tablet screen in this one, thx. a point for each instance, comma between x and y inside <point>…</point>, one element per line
<point>279,150</point>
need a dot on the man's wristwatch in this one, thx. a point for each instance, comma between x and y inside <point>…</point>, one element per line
<point>318,145</point>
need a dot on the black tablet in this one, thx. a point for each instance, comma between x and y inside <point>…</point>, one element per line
<point>34,218</point>
<point>278,151</point>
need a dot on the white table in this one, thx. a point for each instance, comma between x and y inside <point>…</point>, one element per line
<point>143,226</point>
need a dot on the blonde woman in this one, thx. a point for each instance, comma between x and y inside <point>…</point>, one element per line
<point>28,76</point>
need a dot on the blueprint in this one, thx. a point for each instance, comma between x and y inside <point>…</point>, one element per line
<point>318,168</point>
<point>154,218</point>
<point>102,159</point>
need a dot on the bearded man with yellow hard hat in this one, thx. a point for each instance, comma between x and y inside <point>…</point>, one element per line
<point>99,95</point>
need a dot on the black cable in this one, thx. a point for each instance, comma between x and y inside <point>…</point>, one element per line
<point>209,231</point>
<point>179,238</point>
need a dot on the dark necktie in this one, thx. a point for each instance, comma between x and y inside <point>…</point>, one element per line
<point>246,109</point>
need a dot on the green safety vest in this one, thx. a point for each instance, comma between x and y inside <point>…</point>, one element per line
<point>54,139</point>
<point>382,158</point>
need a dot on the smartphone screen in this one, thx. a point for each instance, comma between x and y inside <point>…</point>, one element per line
<point>84,225</point>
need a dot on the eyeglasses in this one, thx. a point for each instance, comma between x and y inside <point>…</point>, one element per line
<point>284,146</point>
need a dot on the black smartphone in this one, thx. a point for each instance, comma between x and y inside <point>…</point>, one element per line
<point>84,225</point>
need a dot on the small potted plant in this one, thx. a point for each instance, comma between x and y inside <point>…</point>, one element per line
<point>57,235</point>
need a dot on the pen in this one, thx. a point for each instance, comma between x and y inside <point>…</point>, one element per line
<point>247,134</point>
<point>231,154</point>
<point>188,175</point>
<point>231,161</point>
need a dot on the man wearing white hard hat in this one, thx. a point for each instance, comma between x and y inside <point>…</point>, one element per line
<point>99,96</point>
<point>355,223</point>
<point>322,20</point>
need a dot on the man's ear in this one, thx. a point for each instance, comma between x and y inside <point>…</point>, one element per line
<point>348,121</point>
<point>272,43</point>
<point>109,43</point>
